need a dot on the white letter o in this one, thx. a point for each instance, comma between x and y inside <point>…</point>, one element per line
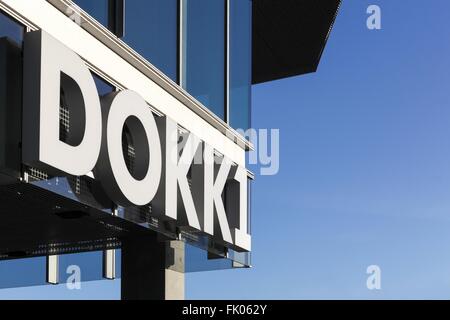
<point>111,169</point>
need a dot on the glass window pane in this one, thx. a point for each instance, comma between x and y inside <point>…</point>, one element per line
<point>98,9</point>
<point>103,87</point>
<point>204,52</point>
<point>11,29</point>
<point>240,63</point>
<point>151,28</point>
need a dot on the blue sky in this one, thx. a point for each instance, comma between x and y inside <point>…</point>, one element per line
<point>364,170</point>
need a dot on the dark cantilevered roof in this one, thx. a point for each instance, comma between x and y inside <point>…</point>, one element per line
<point>289,36</point>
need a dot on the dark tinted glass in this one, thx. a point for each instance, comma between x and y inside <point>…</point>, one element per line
<point>204,52</point>
<point>103,87</point>
<point>151,28</point>
<point>240,63</point>
<point>98,9</point>
<point>11,29</point>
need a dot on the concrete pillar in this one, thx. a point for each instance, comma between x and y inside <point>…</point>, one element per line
<point>175,270</point>
<point>151,269</point>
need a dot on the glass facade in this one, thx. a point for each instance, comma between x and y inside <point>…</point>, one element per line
<point>103,87</point>
<point>98,9</point>
<point>199,61</point>
<point>240,70</point>
<point>204,52</point>
<point>151,28</point>
<point>11,29</point>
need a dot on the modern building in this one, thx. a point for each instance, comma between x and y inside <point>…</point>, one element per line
<point>120,154</point>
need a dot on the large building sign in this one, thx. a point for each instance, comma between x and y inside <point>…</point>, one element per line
<point>165,156</point>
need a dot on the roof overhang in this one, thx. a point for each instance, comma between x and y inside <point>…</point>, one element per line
<point>289,36</point>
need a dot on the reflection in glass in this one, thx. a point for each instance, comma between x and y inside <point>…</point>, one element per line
<point>240,63</point>
<point>11,29</point>
<point>151,28</point>
<point>98,9</point>
<point>204,52</point>
<point>103,87</point>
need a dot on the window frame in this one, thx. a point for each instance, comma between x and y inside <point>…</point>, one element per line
<point>117,25</point>
<point>116,17</point>
<point>117,45</point>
